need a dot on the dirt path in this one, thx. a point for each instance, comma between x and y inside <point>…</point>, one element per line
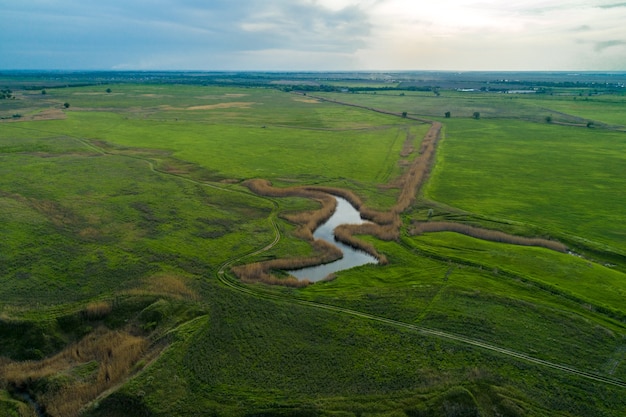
<point>234,284</point>
<point>231,282</point>
<point>374,109</point>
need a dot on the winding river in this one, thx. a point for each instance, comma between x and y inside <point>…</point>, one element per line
<point>345,213</point>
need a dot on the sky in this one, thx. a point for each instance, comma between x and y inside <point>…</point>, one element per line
<point>314,35</point>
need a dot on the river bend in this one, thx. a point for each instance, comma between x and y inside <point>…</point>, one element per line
<point>345,213</point>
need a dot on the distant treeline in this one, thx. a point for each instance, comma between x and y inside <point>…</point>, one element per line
<point>317,81</point>
<point>352,89</point>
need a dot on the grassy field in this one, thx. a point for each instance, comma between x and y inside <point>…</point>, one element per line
<point>119,214</point>
<point>519,171</point>
<point>510,164</point>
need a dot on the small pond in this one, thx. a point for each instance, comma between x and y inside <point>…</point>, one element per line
<point>345,213</point>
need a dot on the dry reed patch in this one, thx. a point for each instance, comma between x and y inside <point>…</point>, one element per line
<point>78,374</point>
<point>233,104</point>
<point>92,93</point>
<point>407,146</point>
<point>97,310</point>
<point>345,233</point>
<point>486,234</point>
<point>48,114</point>
<point>385,226</point>
<point>261,271</point>
<point>171,285</point>
<point>412,180</point>
<point>221,96</point>
<point>306,100</point>
<point>308,221</point>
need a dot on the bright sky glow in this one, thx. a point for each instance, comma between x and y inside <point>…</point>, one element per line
<point>314,34</point>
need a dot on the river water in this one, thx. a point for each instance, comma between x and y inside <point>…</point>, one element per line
<point>345,213</point>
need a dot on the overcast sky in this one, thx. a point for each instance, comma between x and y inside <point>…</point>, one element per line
<point>313,34</point>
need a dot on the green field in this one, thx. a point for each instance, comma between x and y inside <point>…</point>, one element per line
<point>121,214</point>
<point>566,180</point>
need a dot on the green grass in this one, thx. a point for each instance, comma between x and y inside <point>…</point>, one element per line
<point>492,292</point>
<point>134,186</point>
<point>588,282</point>
<point>607,109</point>
<point>10,407</point>
<point>280,138</point>
<point>64,240</point>
<point>532,107</point>
<point>520,171</point>
<point>257,357</point>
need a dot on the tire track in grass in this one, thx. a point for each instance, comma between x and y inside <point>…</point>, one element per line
<point>235,285</point>
<point>616,359</point>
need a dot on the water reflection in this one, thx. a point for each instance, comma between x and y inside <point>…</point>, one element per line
<point>345,213</point>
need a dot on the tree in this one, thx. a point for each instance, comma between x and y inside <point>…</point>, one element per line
<point>66,105</point>
<point>404,114</point>
<point>108,90</point>
<point>548,119</point>
<point>447,114</point>
<point>44,92</point>
<point>589,125</point>
<point>476,115</point>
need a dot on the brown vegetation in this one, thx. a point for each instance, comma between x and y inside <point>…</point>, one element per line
<point>48,114</point>
<point>407,147</point>
<point>485,234</point>
<point>261,271</point>
<point>385,225</point>
<point>308,221</point>
<point>229,105</point>
<point>97,310</point>
<point>78,374</point>
<point>166,284</point>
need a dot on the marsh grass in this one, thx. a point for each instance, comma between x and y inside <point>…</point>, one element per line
<point>510,170</point>
<point>97,310</point>
<point>171,285</point>
<point>484,234</point>
<point>87,220</point>
<point>57,382</point>
<point>385,225</point>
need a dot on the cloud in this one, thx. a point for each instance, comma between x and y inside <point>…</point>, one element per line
<point>601,46</point>
<point>312,34</point>
<point>307,26</point>
<point>612,6</point>
<point>117,30</point>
